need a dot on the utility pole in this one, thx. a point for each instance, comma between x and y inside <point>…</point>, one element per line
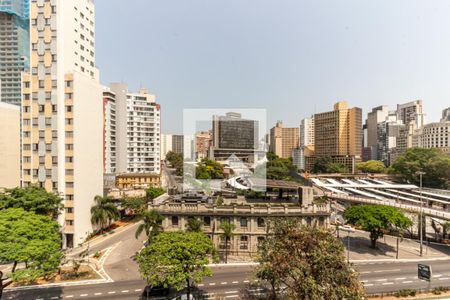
<point>421,213</point>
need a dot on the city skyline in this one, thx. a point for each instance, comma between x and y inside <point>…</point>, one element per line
<point>291,58</point>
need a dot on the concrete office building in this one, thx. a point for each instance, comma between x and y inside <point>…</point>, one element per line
<point>14,48</point>
<point>109,131</point>
<point>138,131</point>
<point>9,145</point>
<point>178,143</point>
<point>338,134</point>
<point>202,144</point>
<point>435,135</point>
<point>283,140</point>
<point>62,126</point>
<point>375,117</point>
<point>411,112</point>
<point>231,134</point>
<point>306,147</point>
<point>391,138</point>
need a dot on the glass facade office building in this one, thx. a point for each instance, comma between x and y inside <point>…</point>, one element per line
<point>14,48</point>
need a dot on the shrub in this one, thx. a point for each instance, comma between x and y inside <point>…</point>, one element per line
<point>405,293</point>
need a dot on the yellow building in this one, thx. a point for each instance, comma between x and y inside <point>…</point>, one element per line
<point>284,140</point>
<point>137,180</point>
<point>338,134</point>
<point>9,145</point>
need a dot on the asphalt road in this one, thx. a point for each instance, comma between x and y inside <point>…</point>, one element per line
<point>230,281</point>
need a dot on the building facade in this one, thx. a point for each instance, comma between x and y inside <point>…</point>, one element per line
<point>138,131</point>
<point>137,180</point>
<point>9,145</point>
<point>306,142</point>
<point>250,221</point>
<point>109,131</point>
<point>202,143</point>
<point>178,143</point>
<point>445,115</point>
<point>62,126</point>
<point>283,140</point>
<point>375,117</point>
<point>338,134</point>
<point>411,112</point>
<point>231,134</point>
<point>14,48</point>
<point>166,145</point>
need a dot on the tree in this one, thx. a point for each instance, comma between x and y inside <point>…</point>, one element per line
<point>276,167</point>
<point>376,219</point>
<point>154,192</point>
<point>176,160</point>
<point>176,259</point>
<point>433,162</point>
<point>209,169</point>
<point>321,164</point>
<point>309,261</point>
<point>228,232</point>
<point>134,205</point>
<point>30,239</point>
<point>371,166</point>
<point>32,198</point>
<point>194,224</point>
<point>103,212</point>
<point>151,224</point>
<point>336,168</point>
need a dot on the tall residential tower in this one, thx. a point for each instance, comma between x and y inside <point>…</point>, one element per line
<point>62,126</point>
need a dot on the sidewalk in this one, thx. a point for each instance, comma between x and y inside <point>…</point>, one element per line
<point>387,248</point>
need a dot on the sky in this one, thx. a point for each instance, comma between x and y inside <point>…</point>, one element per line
<point>291,57</point>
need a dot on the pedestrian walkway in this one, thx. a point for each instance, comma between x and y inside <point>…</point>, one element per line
<point>387,248</point>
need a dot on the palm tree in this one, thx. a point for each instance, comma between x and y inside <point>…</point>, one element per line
<point>151,224</point>
<point>103,212</point>
<point>194,224</point>
<point>228,229</point>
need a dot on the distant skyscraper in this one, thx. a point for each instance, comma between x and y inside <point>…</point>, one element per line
<point>375,117</point>
<point>14,48</point>
<point>306,142</point>
<point>62,126</point>
<point>202,143</point>
<point>283,140</point>
<point>233,135</point>
<point>178,143</point>
<point>338,134</point>
<point>445,115</point>
<point>137,131</point>
<point>411,112</point>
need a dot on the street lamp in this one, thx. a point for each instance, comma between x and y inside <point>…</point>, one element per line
<point>420,173</point>
<point>348,229</point>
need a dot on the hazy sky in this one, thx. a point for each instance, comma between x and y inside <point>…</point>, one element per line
<point>290,57</point>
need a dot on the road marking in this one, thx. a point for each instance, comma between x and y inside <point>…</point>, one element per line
<point>224,282</point>
<point>97,294</point>
<point>39,298</point>
<point>444,278</point>
<point>83,295</point>
<point>138,290</point>
<point>369,284</point>
<point>232,296</point>
<point>125,291</point>
<point>408,281</point>
<point>364,281</point>
<point>200,284</point>
<point>56,297</point>
<point>400,278</point>
<point>387,283</point>
<point>69,296</point>
<point>384,279</point>
<point>212,283</point>
<point>231,292</point>
<point>391,270</point>
<point>113,292</point>
<point>235,282</point>
<point>246,281</point>
<point>365,272</point>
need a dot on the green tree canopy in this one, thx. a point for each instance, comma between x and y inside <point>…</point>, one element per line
<point>176,160</point>
<point>376,219</point>
<point>32,198</point>
<point>433,162</point>
<point>228,232</point>
<point>371,166</point>
<point>176,259</point>
<point>194,224</point>
<point>134,205</point>
<point>309,261</point>
<point>103,212</point>
<point>209,169</point>
<point>151,224</point>
<point>276,167</point>
<point>336,168</point>
<point>321,164</point>
<point>154,192</point>
<point>32,239</point>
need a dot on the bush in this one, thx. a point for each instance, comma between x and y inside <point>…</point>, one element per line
<point>439,290</point>
<point>405,293</point>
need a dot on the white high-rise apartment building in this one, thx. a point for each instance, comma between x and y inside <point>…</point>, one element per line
<point>376,116</point>
<point>62,127</point>
<point>109,129</point>
<point>306,141</point>
<point>138,131</point>
<point>166,145</point>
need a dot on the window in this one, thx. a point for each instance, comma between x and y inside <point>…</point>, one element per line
<point>174,220</point>
<point>69,210</point>
<point>244,222</point>
<point>41,108</point>
<point>243,245</point>
<point>68,108</point>
<point>224,220</point>
<point>41,84</point>
<point>207,221</point>
<point>261,222</point>
<point>260,239</point>
<point>69,159</point>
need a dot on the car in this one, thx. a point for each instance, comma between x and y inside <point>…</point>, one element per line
<point>150,292</point>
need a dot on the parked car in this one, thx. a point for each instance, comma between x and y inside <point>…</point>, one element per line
<point>155,292</point>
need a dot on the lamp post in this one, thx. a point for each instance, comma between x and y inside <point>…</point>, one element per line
<point>420,173</point>
<point>349,230</point>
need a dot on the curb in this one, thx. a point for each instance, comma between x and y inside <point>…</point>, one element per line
<point>356,261</point>
<point>50,285</point>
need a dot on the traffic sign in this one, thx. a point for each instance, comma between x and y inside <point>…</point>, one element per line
<point>424,272</point>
